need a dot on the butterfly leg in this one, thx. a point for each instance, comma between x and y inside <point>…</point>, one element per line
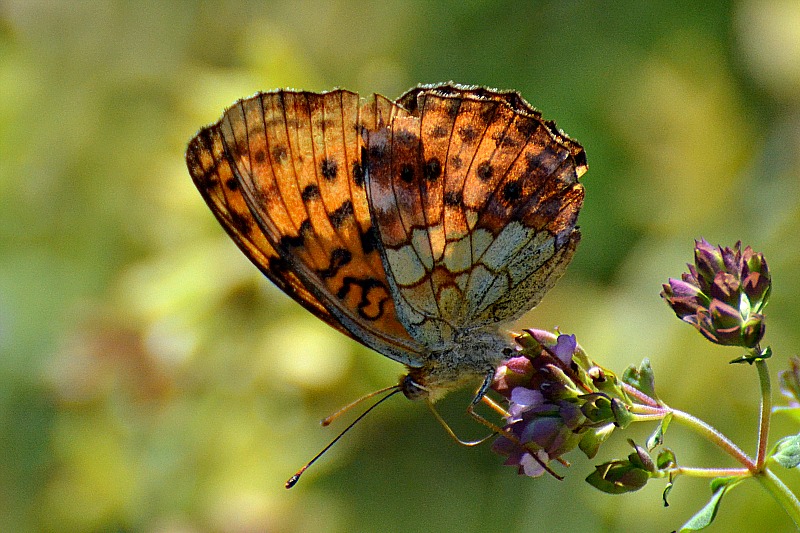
<point>481,396</point>
<point>450,431</point>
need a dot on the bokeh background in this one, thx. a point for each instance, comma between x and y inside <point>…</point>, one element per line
<point>152,380</point>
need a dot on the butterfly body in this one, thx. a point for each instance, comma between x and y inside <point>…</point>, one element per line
<point>418,227</point>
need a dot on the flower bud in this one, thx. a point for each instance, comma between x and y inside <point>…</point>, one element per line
<point>723,294</point>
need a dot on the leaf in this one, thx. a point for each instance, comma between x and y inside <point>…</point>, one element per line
<point>666,492</point>
<point>752,357</point>
<point>593,438</point>
<point>641,378</point>
<point>657,437</point>
<point>666,459</point>
<point>787,451</point>
<point>618,477</point>
<point>622,415</point>
<point>705,516</point>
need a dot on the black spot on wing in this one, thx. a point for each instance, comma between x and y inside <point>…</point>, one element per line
<point>468,134</point>
<point>340,214</point>
<point>485,171</point>
<point>369,240</point>
<point>433,169</point>
<point>358,174</point>
<point>543,162</point>
<point>339,258</point>
<point>369,291</point>
<point>453,198</point>
<point>329,168</point>
<point>407,173</point>
<point>512,191</point>
<point>240,222</point>
<point>405,137</point>
<point>527,126</point>
<point>377,151</point>
<point>310,192</point>
<point>453,107</point>
<point>440,132</point>
<point>295,241</point>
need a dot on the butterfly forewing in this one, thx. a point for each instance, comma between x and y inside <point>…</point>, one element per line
<point>289,157</point>
<point>214,178</point>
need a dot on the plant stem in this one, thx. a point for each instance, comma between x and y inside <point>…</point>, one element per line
<point>639,395</point>
<point>781,493</point>
<point>716,437</point>
<point>703,429</point>
<point>711,472</point>
<point>764,415</point>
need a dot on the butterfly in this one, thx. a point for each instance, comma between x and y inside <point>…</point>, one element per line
<point>418,227</point>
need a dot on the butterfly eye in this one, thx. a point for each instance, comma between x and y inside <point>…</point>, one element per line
<point>507,351</point>
<point>412,389</point>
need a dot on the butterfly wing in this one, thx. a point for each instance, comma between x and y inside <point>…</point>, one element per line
<point>282,171</point>
<point>214,178</point>
<point>475,198</point>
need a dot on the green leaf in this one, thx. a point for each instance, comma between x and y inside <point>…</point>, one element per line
<point>666,492</point>
<point>719,482</point>
<point>787,452</point>
<point>641,378</point>
<point>706,515</point>
<point>752,357</point>
<point>618,477</point>
<point>666,459</point>
<point>593,438</point>
<point>657,437</point>
<point>640,458</point>
<point>622,416</point>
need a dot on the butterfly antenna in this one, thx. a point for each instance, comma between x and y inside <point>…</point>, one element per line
<point>329,419</point>
<point>292,481</point>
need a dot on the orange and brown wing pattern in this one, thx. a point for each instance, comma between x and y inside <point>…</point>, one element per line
<point>287,166</point>
<point>475,198</point>
<point>214,178</point>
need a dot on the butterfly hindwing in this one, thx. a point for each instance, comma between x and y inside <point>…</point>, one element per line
<point>482,241</point>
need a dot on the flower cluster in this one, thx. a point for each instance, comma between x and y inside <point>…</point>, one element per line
<point>723,294</point>
<point>558,400</point>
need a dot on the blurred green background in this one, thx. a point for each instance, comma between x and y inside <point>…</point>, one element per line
<point>152,380</point>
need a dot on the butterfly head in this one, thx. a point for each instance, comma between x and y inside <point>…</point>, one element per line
<point>471,358</point>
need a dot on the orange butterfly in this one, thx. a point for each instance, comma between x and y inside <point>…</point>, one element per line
<point>417,227</point>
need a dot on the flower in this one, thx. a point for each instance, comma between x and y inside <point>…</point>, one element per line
<point>723,294</point>
<point>555,402</point>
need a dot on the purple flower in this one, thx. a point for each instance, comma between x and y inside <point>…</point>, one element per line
<point>523,399</point>
<point>548,390</point>
<point>723,294</point>
<point>565,348</point>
